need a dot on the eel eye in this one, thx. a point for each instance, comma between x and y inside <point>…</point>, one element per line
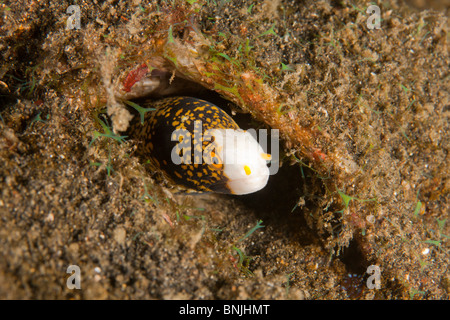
<point>216,162</point>
<point>247,170</point>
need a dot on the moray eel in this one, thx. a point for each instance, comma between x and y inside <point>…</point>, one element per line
<point>200,147</point>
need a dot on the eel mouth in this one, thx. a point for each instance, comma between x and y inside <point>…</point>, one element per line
<point>248,185</point>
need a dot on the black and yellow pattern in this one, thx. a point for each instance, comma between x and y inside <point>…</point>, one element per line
<point>156,135</point>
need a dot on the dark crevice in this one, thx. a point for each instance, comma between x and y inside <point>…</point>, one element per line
<point>353,258</point>
<point>276,204</point>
